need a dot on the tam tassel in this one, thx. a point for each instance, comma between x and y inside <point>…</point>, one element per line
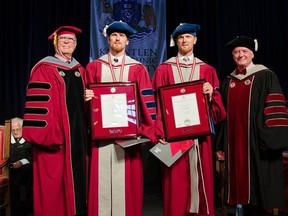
<point>172,42</point>
<point>256,44</point>
<point>55,39</point>
<point>105,31</point>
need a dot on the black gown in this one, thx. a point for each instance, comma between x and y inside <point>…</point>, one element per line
<point>252,137</point>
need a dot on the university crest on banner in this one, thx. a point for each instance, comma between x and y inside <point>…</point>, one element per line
<point>147,17</point>
<point>128,11</point>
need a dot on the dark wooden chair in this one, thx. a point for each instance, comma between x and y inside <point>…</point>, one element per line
<point>5,136</point>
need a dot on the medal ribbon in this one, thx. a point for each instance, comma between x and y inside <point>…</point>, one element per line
<point>180,71</point>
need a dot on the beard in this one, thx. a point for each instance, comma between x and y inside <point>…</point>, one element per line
<point>185,49</point>
<point>117,48</point>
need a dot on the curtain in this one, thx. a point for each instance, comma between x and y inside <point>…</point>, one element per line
<point>26,25</point>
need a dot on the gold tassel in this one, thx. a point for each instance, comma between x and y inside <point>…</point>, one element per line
<point>55,39</point>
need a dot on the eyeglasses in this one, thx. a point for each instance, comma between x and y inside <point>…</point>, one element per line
<point>68,39</point>
<point>16,130</point>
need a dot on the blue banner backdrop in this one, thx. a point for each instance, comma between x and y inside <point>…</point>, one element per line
<point>147,46</point>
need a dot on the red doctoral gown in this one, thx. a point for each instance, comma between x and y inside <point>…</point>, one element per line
<point>253,136</point>
<point>188,184</point>
<point>116,176</point>
<point>54,125</point>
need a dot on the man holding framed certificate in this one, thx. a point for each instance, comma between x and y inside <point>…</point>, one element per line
<point>188,183</point>
<point>116,176</point>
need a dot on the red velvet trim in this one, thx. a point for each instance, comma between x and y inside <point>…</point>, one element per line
<point>277,122</point>
<point>66,32</point>
<point>275,110</point>
<point>275,97</point>
<point>238,142</point>
<point>3,162</point>
<point>3,180</point>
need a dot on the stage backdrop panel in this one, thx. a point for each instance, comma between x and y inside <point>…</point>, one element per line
<point>148,17</point>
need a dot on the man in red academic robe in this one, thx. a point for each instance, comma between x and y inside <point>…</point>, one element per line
<point>54,124</point>
<point>254,133</point>
<point>116,176</point>
<point>188,184</point>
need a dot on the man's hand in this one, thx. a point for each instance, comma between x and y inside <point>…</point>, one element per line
<point>208,89</point>
<point>16,165</point>
<point>162,141</point>
<point>88,94</point>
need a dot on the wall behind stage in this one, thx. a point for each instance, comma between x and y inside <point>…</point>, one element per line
<point>26,24</point>
<point>221,21</point>
<point>25,27</point>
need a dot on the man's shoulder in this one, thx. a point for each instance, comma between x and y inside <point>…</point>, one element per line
<point>129,60</point>
<point>53,62</point>
<point>103,58</point>
<point>44,61</point>
<point>171,60</point>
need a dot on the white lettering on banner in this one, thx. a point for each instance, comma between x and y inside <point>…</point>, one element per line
<point>148,45</point>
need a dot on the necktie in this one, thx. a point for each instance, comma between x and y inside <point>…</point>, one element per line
<point>115,59</point>
<point>186,59</point>
<point>17,143</point>
<point>241,71</point>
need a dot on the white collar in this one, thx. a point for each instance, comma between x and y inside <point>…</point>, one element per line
<point>189,57</point>
<point>251,65</point>
<point>119,58</point>
<point>63,59</point>
<point>13,141</point>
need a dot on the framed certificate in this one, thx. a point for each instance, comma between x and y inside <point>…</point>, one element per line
<point>114,110</point>
<point>184,111</point>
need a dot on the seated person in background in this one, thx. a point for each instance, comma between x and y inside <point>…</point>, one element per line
<point>21,163</point>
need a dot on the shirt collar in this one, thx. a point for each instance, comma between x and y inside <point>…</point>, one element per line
<point>118,57</point>
<point>13,141</point>
<point>189,57</point>
<point>251,65</point>
<point>63,59</point>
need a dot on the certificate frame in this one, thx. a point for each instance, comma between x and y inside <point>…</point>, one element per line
<point>114,110</point>
<point>180,120</point>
